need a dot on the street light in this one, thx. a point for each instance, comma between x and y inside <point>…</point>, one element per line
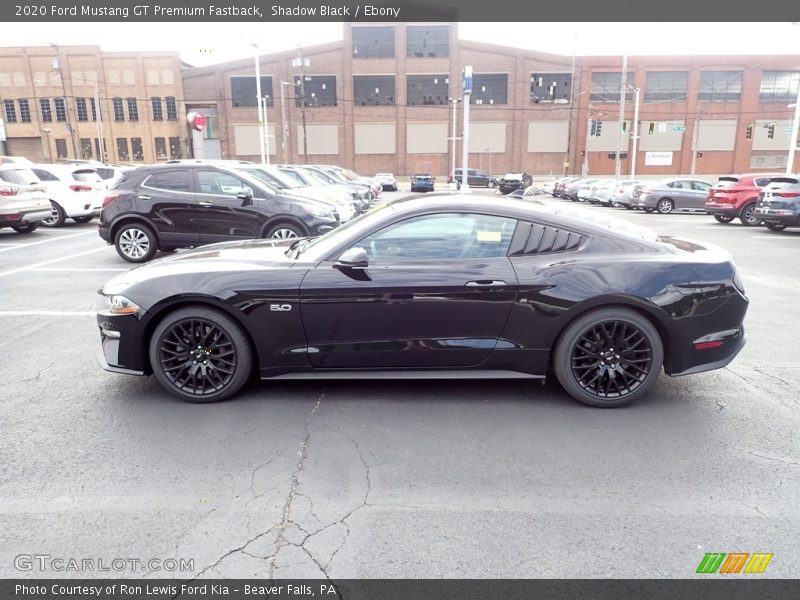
<point>259,103</point>
<point>68,124</point>
<point>299,62</point>
<point>635,133</point>
<point>285,123</point>
<point>454,137</point>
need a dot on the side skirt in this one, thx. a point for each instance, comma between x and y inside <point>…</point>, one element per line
<point>443,374</point>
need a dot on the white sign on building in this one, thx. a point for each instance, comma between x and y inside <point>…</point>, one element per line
<point>658,158</point>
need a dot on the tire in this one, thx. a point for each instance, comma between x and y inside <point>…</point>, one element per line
<point>628,207</point>
<point>27,228</point>
<point>284,231</point>
<point>748,215</point>
<point>83,219</point>
<point>214,370</point>
<point>581,347</point>
<point>665,206</point>
<point>723,218</point>
<point>136,242</point>
<point>775,226</point>
<point>491,184</point>
<point>56,218</point>
<point>648,210</point>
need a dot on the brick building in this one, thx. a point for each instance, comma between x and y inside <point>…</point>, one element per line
<point>51,98</point>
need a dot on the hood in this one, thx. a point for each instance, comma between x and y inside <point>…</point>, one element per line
<point>224,257</point>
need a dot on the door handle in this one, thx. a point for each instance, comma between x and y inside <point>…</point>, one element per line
<point>143,197</point>
<point>486,283</point>
<point>205,203</point>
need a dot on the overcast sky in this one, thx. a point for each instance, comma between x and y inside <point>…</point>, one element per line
<point>208,43</point>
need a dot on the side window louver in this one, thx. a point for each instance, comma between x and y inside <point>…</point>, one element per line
<point>532,238</point>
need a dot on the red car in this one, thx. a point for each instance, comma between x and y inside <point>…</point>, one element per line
<point>736,196</point>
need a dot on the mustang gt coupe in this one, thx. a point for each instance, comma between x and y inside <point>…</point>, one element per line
<point>442,287</point>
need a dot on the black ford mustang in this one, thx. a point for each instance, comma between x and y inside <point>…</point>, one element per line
<point>450,286</point>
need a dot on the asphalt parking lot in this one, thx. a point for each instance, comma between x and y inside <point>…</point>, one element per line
<point>392,479</point>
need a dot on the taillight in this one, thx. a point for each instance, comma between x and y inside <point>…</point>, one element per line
<point>79,187</point>
<point>110,197</point>
<point>8,190</point>
<point>787,194</point>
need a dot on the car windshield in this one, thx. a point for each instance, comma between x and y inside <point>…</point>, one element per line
<point>726,182</point>
<point>19,176</point>
<point>265,180</point>
<point>270,180</point>
<point>86,176</point>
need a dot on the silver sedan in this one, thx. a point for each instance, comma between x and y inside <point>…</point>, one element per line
<point>672,194</point>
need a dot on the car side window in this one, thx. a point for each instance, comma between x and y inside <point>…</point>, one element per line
<point>701,186</point>
<point>173,181</point>
<point>44,175</point>
<point>217,182</point>
<point>441,237</point>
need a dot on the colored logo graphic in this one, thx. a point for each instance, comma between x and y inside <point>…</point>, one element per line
<point>734,562</point>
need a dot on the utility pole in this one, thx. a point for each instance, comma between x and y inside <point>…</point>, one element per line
<point>285,134</point>
<point>301,62</point>
<point>623,89</point>
<point>68,124</point>
<point>585,169</point>
<point>454,137</point>
<point>259,104</point>
<point>467,91</point>
<point>264,102</point>
<point>695,135</point>
<point>100,141</point>
<point>635,133</point>
<point>567,159</point>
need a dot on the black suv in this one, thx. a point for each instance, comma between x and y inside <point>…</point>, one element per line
<point>515,181</point>
<point>177,206</point>
<point>476,178</point>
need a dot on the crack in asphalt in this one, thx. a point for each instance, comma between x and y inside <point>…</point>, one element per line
<point>787,462</point>
<point>758,510</point>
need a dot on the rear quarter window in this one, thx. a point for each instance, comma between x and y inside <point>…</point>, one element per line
<point>173,181</point>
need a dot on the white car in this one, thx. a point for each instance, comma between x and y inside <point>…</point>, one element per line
<point>76,192</point>
<point>387,181</point>
<point>623,193</point>
<point>601,191</point>
<point>23,200</point>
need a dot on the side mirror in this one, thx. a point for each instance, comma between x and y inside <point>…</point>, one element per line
<point>246,196</point>
<point>354,258</point>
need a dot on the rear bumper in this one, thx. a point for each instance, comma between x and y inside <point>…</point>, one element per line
<point>790,220</point>
<point>24,217</point>
<point>722,210</point>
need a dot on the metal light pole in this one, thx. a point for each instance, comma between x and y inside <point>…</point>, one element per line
<point>635,133</point>
<point>264,101</point>
<point>258,104</point>
<point>465,135</point>
<point>285,134</point>
<point>695,136</point>
<point>68,123</point>
<point>301,62</point>
<point>623,88</point>
<point>453,136</point>
<point>795,125</point>
<point>100,141</point>
<point>585,169</point>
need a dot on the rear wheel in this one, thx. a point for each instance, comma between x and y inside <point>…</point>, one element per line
<point>723,218</point>
<point>284,231</point>
<point>775,226</point>
<point>27,228</point>
<point>665,206</point>
<point>136,242</point>
<point>56,218</point>
<point>200,354</point>
<point>492,184</point>
<point>748,215</point>
<point>609,357</point>
<point>83,219</point>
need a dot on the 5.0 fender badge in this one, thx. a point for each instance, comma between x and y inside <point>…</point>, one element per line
<point>280,307</point>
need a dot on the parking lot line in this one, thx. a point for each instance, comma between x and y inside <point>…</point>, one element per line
<point>51,239</point>
<point>52,260</point>
<point>78,270</point>
<point>46,313</point>
<point>774,237</point>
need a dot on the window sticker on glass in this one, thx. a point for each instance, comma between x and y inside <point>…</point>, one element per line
<point>490,236</point>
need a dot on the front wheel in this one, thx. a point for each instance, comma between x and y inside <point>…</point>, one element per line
<point>609,357</point>
<point>284,231</point>
<point>723,218</point>
<point>200,354</point>
<point>492,184</point>
<point>27,228</point>
<point>136,242</point>
<point>665,206</point>
<point>57,216</point>
<point>775,226</point>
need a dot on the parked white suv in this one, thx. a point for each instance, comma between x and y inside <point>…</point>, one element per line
<point>23,200</point>
<point>76,192</point>
<point>387,181</point>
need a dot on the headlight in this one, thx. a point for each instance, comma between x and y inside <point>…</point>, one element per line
<point>320,211</point>
<point>120,305</point>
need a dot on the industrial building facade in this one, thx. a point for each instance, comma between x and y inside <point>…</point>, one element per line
<point>383,99</point>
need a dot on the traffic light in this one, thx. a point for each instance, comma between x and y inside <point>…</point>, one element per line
<point>624,127</point>
<point>749,134</point>
<point>594,128</point>
<point>599,128</point>
<point>771,131</point>
<point>652,129</point>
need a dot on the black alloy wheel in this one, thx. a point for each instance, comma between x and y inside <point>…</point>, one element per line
<point>748,215</point>
<point>609,357</point>
<point>723,218</point>
<point>200,355</point>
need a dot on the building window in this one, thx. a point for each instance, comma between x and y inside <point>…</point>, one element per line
<point>489,88</point>
<point>373,42</point>
<point>551,87</point>
<point>175,148</point>
<point>61,109</point>
<point>666,86</point>
<point>424,41</point>
<point>161,148</point>
<point>11,111</point>
<point>119,115</point>
<point>372,90</point>
<point>243,91</point>
<point>80,108</point>
<point>158,111</point>
<point>133,110</point>
<point>86,148</point>
<point>24,110</point>
<point>172,108</point>
<point>320,90</point>
<point>720,86</point>
<point>605,87</point>
<point>122,149</point>
<point>779,86</point>
<point>136,148</point>
<point>61,148</point>
<point>46,110</point>
<point>426,90</point>
<point>94,109</point>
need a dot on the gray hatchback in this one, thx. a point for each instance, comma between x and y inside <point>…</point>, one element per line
<point>672,194</point>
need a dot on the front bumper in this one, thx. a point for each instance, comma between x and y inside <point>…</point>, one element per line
<point>121,344</point>
<point>23,218</point>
